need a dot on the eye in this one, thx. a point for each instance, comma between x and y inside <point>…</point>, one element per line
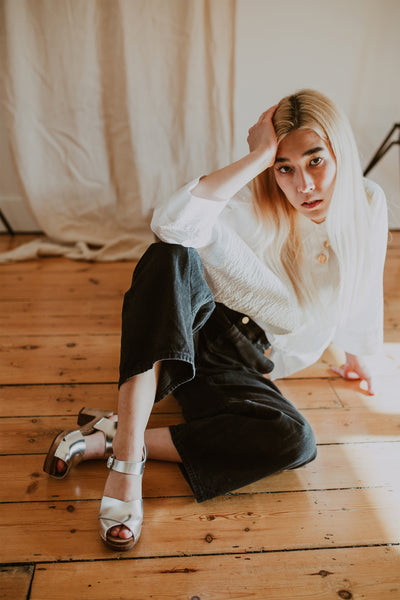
<point>284,169</point>
<point>314,162</point>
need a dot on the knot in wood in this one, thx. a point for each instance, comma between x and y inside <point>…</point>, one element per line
<point>345,594</point>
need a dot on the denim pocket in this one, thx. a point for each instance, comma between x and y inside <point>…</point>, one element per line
<point>232,346</point>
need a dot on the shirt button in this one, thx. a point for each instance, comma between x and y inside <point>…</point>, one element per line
<point>327,244</point>
<point>245,320</point>
<point>322,258</point>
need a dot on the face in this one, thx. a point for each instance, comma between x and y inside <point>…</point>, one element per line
<point>305,170</point>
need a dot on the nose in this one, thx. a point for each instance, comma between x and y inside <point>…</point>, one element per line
<point>305,183</point>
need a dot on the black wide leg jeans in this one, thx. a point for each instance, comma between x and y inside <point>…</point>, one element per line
<point>238,427</point>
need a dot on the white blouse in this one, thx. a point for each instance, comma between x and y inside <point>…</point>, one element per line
<point>224,233</point>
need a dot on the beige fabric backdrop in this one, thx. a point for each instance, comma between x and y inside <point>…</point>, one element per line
<point>110,106</point>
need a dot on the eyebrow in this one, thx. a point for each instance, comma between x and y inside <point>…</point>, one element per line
<point>307,153</point>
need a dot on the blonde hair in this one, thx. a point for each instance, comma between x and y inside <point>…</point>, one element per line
<point>348,218</point>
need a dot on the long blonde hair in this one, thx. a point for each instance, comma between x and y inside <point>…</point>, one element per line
<point>348,219</point>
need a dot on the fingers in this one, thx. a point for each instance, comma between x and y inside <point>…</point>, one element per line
<point>368,379</point>
<point>370,388</point>
<point>265,116</point>
<point>350,375</point>
<point>262,137</point>
<point>268,114</point>
<point>345,373</point>
<point>365,376</point>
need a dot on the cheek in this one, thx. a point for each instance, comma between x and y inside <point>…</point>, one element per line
<point>283,183</point>
<point>330,176</point>
<point>287,187</point>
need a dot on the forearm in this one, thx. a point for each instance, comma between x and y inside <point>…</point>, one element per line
<point>226,182</point>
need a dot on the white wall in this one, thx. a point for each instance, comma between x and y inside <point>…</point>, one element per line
<point>348,49</point>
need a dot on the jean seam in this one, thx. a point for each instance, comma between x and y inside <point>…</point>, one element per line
<point>201,304</point>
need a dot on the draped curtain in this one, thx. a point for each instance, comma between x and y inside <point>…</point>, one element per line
<point>110,106</point>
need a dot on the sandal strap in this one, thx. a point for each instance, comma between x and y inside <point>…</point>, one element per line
<point>117,512</point>
<point>73,443</point>
<point>127,467</point>
<point>108,428</point>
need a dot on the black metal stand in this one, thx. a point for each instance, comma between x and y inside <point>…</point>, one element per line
<point>6,224</point>
<point>383,148</point>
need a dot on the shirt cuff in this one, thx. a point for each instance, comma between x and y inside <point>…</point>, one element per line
<point>187,219</point>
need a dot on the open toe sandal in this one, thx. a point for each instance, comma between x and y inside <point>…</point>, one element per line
<point>115,512</point>
<point>69,446</point>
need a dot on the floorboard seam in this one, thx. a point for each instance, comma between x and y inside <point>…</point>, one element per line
<point>28,592</point>
<point>199,555</point>
<point>267,493</point>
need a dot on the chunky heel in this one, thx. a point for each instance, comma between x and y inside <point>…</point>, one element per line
<point>115,512</point>
<point>87,414</point>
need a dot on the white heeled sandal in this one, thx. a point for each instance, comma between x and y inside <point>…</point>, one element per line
<point>70,446</point>
<point>115,512</point>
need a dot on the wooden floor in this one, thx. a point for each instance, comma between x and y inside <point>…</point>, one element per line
<point>329,530</point>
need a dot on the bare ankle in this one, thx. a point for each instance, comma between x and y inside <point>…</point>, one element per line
<point>95,446</point>
<point>127,448</point>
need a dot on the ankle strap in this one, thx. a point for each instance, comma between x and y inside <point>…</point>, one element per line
<point>129,468</point>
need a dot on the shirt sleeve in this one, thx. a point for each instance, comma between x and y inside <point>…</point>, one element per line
<point>362,331</point>
<point>186,219</point>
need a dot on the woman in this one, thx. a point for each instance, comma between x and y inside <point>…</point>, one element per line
<point>284,247</point>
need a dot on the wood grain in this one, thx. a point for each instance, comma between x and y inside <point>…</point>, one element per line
<point>24,435</point>
<point>82,283</point>
<point>331,574</point>
<point>68,399</point>
<point>59,359</point>
<point>43,317</point>
<point>326,531</point>
<point>34,435</point>
<point>41,531</point>
<point>336,466</point>
<point>15,582</point>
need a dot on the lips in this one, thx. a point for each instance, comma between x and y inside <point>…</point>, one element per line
<point>311,203</point>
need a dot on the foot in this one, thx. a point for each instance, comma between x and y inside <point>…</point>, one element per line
<point>95,448</point>
<point>122,487</point>
<point>121,508</point>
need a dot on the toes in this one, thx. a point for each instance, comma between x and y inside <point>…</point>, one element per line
<point>125,533</point>
<point>120,531</point>
<point>60,466</point>
<point>114,531</point>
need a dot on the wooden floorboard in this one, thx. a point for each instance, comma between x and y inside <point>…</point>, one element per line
<point>26,435</point>
<point>338,466</point>
<point>15,582</point>
<point>59,358</point>
<point>58,530</point>
<point>330,574</point>
<point>329,530</point>
<point>67,399</point>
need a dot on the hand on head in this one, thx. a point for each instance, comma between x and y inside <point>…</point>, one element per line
<point>262,136</point>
